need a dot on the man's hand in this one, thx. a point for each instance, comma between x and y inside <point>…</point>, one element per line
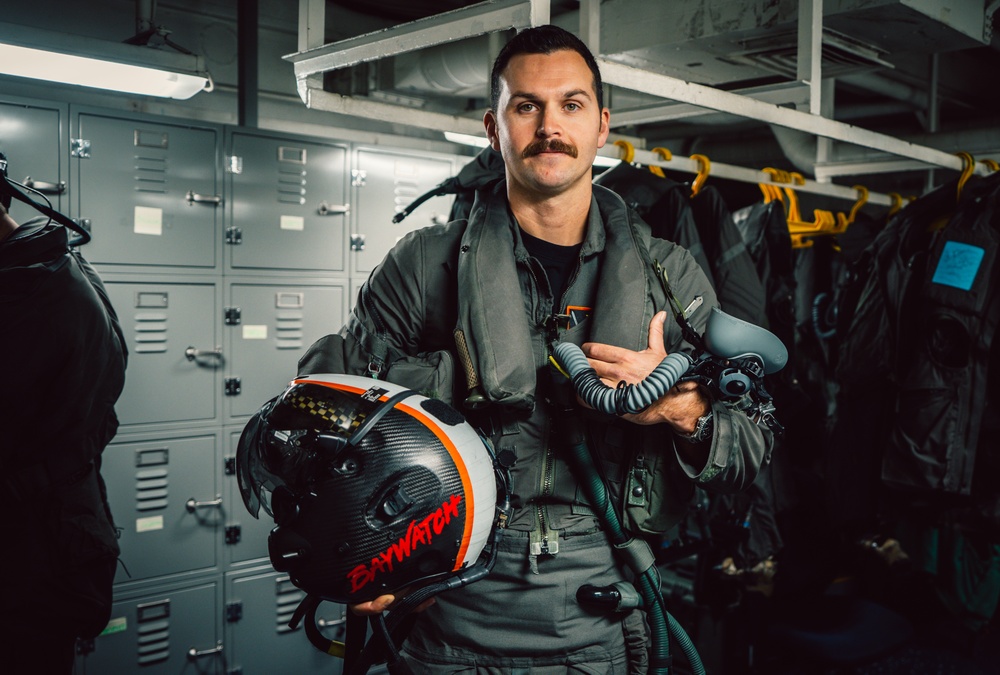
<point>382,603</point>
<point>680,407</point>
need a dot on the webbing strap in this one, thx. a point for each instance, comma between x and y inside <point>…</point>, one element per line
<point>637,554</point>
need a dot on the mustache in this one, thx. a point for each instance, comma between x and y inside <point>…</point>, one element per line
<point>549,145</point>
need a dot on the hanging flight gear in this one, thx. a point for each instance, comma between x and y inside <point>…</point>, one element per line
<point>730,360</point>
<point>374,489</point>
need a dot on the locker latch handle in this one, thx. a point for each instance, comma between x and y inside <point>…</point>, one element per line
<point>196,654</point>
<point>193,197</point>
<point>192,354</point>
<point>44,187</point>
<point>332,209</point>
<point>193,504</point>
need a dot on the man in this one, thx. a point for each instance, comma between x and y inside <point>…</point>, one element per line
<point>545,256</point>
<point>63,369</point>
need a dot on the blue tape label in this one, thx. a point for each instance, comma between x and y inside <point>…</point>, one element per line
<point>958,265</point>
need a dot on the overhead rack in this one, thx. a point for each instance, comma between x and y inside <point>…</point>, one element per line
<point>314,58</point>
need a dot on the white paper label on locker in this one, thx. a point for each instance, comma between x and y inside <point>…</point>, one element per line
<point>148,220</point>
<point>293,223</point>
<point>150,524</point>
<point>251,332</point>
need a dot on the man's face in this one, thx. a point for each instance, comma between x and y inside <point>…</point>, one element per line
<point>547,125</point>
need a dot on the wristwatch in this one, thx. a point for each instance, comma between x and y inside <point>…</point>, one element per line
<point>702,429</point>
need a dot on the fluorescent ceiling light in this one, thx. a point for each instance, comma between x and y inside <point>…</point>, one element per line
<point>466,139</point>
<point>72,59</point>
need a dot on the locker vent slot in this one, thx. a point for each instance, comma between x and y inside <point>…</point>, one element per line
<point>404,191</point>
<point>291,186</point>
<point>150,333</point>
<point>289,334</point>
<point>153,632</point>
<point>150,174</point>
<point>151,489</point>
<point>287,598</point>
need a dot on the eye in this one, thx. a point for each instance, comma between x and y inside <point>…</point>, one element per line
<point>572,107</point>
<point>526,107</point>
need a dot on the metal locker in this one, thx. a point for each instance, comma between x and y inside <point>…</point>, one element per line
<point>149,191</point>
<point>175,358</point>
<point>258,640</point>
<point>269,325</point>
<point>164,495</point>
<point>288,206</point>
<point>245,539</point>
<point>167,631</point>
<point>383,184</point>
<point>33,137</point>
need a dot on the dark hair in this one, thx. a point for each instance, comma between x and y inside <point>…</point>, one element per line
<point>542,40</point>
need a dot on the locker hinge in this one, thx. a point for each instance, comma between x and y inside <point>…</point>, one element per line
<point>359,177</point>
<point>229,465</point>
<point>79,147</point>
<point>234,611</point>
<point>357,242</point>
<point>235,670</point>
<point>233,534</point>
<point>234,164</point>
<point>84,647</point>
<point>234,236</point>
<point>234,315</point>
<point>233,386</point>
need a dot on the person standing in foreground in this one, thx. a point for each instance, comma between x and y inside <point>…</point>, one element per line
<point>546,256</point>
<point>63,370</point>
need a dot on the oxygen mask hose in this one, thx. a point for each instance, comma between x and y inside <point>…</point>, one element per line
<point>626,399</point>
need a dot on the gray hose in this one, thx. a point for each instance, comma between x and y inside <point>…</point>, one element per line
<point>625,399</point>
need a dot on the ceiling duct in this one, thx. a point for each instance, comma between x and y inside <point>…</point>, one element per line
<point>778,53</point>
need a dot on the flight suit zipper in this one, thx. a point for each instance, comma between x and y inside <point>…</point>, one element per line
<point>544,540</point>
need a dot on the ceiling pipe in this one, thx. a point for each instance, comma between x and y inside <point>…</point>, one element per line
<point>145,10</point>
<point>246,66</point>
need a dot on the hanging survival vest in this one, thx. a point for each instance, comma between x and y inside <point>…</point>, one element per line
<point>942,380</point>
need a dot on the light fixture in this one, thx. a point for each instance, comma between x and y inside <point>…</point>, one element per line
<point>88,62</point>
<point>466,139</point>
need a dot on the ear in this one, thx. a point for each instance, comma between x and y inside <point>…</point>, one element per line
<point>490,122</point>
<point>602,136</point>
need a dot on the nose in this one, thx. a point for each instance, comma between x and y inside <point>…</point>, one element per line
<point>548,124</point>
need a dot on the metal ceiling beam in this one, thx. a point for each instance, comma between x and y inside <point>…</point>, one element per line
<point>318,99</point>
<point>790,92</point>
<point>665,86</point>
<point>459,24</point>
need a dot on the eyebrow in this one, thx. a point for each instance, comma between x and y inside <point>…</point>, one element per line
<point>569,94</point>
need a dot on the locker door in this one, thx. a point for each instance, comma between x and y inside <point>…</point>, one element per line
<point>32,137</point>
<point>246,536</point>
<point>384,184</point>
<point>162,321</point>
<point>169,632</point>
<point>149,190</point>
<point>164,495</point>
<point>277,323</point>
<point>260,642</point>
<point>287,206</point>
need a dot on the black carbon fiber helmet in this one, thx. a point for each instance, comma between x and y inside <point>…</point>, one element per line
<point>373,487</point>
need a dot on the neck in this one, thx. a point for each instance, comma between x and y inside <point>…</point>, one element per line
<point>558,219</point>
